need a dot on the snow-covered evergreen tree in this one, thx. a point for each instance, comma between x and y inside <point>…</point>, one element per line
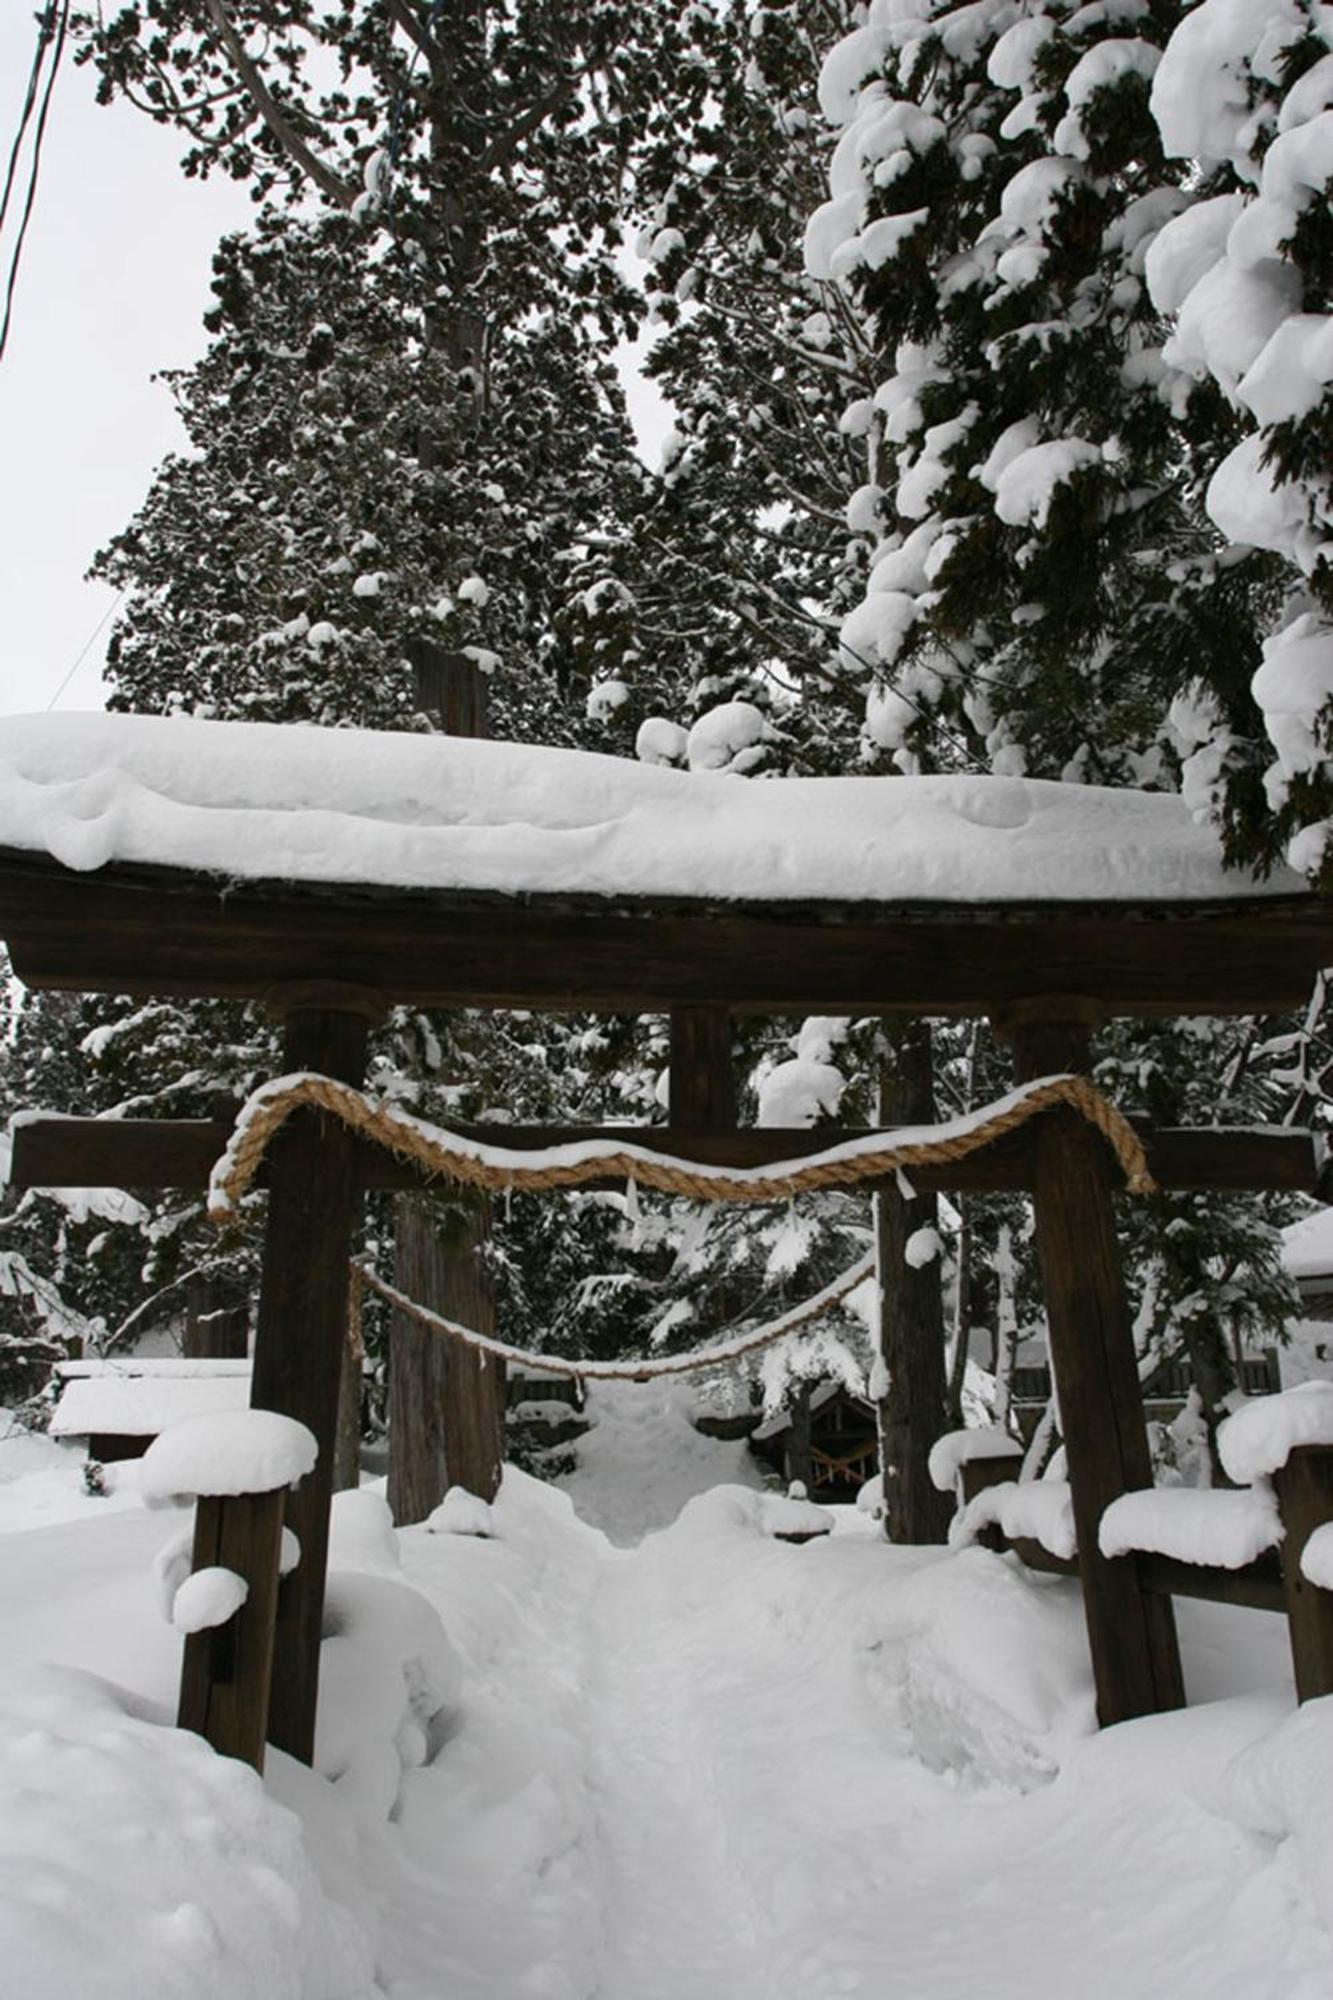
<point>1244,102</point>
<point>1044,579</point>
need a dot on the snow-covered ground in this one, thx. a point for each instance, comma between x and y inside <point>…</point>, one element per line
<point>709,1766</point>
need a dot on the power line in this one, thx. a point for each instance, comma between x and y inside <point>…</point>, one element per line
<point>44,28</point>
<point>86,647</point>
<point>50,25</point>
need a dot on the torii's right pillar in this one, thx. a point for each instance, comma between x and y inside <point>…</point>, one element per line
<point>1131,1631</point>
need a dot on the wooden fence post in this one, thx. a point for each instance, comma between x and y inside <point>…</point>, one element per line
<point>302,1325</point>
<point>1304,1488</point>
<point>1131,1632</point>
<point>226,1670</point>
<point>977,1474</point>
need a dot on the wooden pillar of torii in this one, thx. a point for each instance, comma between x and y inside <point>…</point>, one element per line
<point>1131,1631</point>
<point>302,1325</point>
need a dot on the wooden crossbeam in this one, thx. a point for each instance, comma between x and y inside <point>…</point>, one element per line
<point>179,1153</point>
<point>164,931</point>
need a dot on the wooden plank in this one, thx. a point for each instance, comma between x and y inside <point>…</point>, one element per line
<point>1131,1632</point>
<point>703,1080</point>
<point>145,931</point>
<point>1035,1555</point>
<point>1257,1586</point>
<point>978,1475</point>
<point>226,1672</point>
<point>1305,1500</point>
<point>146,1152</point>
<point>197,1653</point>
<point>299,1342</point>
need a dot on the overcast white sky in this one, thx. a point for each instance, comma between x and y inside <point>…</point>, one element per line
<point>113,287</point>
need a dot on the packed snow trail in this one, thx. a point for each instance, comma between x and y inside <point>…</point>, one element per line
<point>720,1768</point>
<point>709,1767</point>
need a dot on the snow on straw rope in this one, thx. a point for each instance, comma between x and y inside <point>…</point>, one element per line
<point>625,1371</point>
<point>868,1156</point>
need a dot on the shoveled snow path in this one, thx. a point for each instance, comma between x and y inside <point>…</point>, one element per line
<point>717,1768</point>
<point>677,1920</point>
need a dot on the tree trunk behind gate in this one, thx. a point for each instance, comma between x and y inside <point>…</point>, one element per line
<point>912,1413</point>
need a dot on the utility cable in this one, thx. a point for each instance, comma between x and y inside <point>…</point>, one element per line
<point>86,647</point>
<point>44,37</point>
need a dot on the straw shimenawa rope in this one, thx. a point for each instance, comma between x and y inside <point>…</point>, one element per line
<point>872,1156</point>
<point>625,1371</point>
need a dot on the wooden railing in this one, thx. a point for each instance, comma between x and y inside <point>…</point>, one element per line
<point>1272,1582</point>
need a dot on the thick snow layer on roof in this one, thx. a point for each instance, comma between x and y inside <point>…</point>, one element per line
<point>125,1404</point>
<point>266,801</point>
<point>1307,1245</point>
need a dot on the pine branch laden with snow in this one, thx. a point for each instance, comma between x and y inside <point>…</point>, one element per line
<point>1245,90</point>
<point>1044,582</point>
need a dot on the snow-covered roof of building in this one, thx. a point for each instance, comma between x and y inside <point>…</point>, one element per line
<point>140,1398</point>
<point>258,801</point>
<point>1307,1246</point>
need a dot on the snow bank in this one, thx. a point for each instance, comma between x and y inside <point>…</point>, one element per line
<point>1215,1527</point>
<point>950,1453</point>
<point>1256,1441</point>
<point>1038,1510</point>
<point>1282,1790</point>
<point>463,1513</point>
<point>388,1680</point>
<point>784,1514</point>
<point>134,1860</point>
<point>362,1534</point>
<point>260,801</point>
<point>241,1451</point>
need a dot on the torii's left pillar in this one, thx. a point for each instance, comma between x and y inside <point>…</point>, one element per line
<point>302,1329</point>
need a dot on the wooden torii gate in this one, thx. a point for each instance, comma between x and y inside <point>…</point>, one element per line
<point>329,960</point>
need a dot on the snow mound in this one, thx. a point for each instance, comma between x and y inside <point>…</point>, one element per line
<point>134,1860</point>
<point>1195,1525</point>
<point>462,1513</point>
<point>1038,1510</point>
<point>208,1597</point>
<point>362,1534</point>
<point>1257,1440</point>
<point>388,1681</point>
<point>950,1453</point>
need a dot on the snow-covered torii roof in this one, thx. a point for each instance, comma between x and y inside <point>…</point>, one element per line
<point>254,801</point>
<point>497,856</point>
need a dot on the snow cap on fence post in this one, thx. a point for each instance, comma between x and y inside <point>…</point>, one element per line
<point>236,1451</point>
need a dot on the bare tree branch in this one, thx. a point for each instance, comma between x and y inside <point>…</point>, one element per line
<point>293,145</point>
